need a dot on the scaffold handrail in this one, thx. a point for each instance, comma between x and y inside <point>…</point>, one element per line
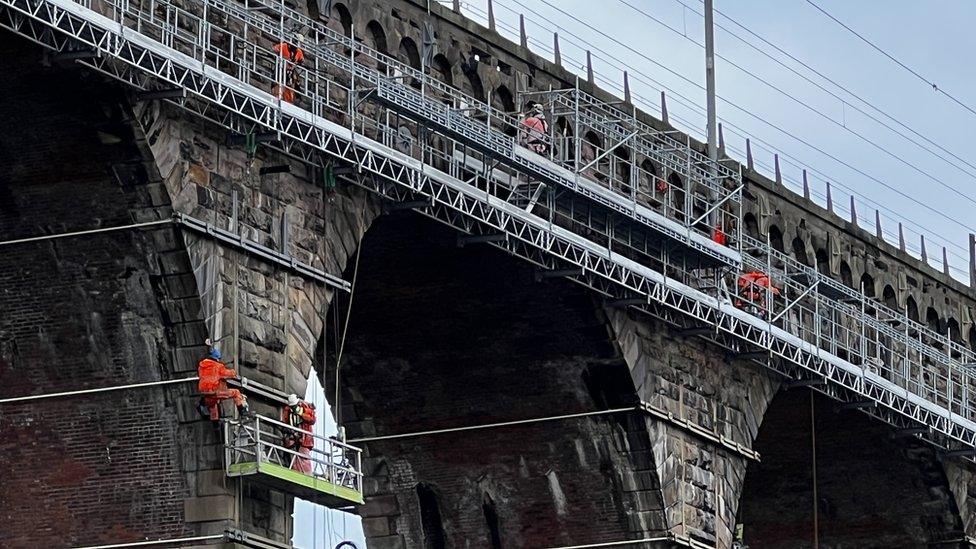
<point>801,307</point>
<point>258,439</point>
<point>885,316</point>
<point>674,293</point>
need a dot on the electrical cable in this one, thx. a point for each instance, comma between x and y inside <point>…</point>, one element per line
<point>892,58</point>
<point>821,113</point>
<point>28,398</point>
<point>493,425</point>
<point>86,232</point>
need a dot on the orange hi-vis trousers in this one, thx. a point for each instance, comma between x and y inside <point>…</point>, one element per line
<point>224,394</point>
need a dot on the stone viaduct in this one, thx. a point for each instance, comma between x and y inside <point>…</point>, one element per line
<point>440,336</point>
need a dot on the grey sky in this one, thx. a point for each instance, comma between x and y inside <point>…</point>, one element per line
<point>934,37</point>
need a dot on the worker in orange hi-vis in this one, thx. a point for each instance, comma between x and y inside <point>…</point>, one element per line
<point>294,55</point>
<point>752,292</point>
<point>535,129</point>
<point>213,375</point>
<point>300,415</point>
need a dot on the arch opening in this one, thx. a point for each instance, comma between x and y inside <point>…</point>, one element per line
<point>490,344</point>
<point>888,502</point>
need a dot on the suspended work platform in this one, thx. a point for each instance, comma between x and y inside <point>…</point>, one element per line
<point>329,473</point>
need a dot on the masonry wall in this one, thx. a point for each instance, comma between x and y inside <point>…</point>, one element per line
<point>141,304</point>
<point>85,312</point>
<point>266,317</point>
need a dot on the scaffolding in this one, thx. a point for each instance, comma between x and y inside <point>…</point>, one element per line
<point>585,210</point>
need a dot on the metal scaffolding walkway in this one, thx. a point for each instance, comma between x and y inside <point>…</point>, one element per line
<point>585,210</point>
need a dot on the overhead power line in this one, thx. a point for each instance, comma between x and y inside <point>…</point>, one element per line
<point>838,85</point>
<point>802,103</point>
<point>892,58</point>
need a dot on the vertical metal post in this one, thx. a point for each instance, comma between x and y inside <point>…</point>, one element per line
<point>257,440</point>
<point>577,135</point>
<point>237,323</point>
<point>710,105</point>
<point>234,214</point>
<point>813,460</point>
<point>352,80</point>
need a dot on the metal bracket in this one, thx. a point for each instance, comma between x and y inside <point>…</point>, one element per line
<point>462,240</point>
<point>859,405</point>
<point>558,273</point>
<point>165,93</point>
<point>411,205</point>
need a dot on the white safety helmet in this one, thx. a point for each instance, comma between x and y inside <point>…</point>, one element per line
<point>299,38</point>
<point>293,400</point>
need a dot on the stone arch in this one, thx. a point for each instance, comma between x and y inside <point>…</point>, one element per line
<point>565,147</point>
<point>621,169</point>
<point>866,285</point>
<point>442,70</point>
<point>431,523</point>
<point>823,261</point>
<point>911,309</point>
<point>889,297</point>
<point>340,20</point>
<point>376,37</point>
<point>776,239</point>
<point>933,321</point>
<point>846,275</point>
<point>751,225</point>
<point>503,101</point>
<point>400,374</point>
<point>800,251</point>
<point>408,53</point>
<point>952,328</point>
<point>590,149</point>
<point>648,182</point>
<point>475,88</point>
<point>910,500</point>
<point>676,196</point>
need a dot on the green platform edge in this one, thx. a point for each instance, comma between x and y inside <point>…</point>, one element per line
<point>295,477</point>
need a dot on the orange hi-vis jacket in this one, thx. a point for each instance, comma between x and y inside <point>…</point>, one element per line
<point>212,375</point>
<point>289,52</point>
